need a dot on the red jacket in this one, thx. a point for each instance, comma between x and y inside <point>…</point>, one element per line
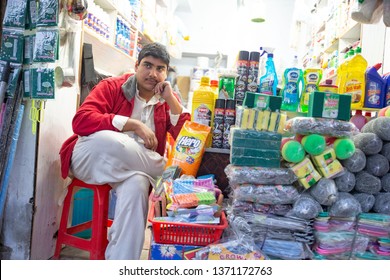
<point>114,96</point>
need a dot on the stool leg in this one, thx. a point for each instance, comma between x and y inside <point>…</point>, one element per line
<point>99,222</point>
<point>64,221</point>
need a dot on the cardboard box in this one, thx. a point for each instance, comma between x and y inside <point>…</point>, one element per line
<point>169,251</point>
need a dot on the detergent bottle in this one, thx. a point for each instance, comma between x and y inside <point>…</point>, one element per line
<point>203,103</point>
<point>311,79</point>
<point>342,73</point>
<point>386,78</point>
<point>292,87</point>
<point>375,88</point>
<point>269,81</point>
<point>354,80</point>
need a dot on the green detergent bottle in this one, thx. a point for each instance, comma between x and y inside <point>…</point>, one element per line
<point>292,87</point>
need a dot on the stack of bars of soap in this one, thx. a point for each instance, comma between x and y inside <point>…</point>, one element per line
<point>255,148</point>
<point>188,200</point>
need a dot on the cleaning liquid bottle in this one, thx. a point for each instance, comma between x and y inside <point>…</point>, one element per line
<point>355,81</point>
<point>327,86</point>
<point>292,87</point>
<point>342,73</point>
<point>375,88</point>
<point>311,79</point>
<point>386,79</point>
<point>358,119</point>
<point>269,81</point>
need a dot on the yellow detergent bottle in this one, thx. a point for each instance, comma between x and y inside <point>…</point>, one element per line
<point>311,77</point>
<point>203,105</point>
<point>354,83</point>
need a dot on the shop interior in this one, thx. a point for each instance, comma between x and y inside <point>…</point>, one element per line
<point>299,166</point>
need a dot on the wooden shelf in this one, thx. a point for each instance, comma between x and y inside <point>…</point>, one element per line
<point>106,56</point>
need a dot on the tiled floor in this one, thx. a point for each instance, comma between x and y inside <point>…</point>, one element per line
<point>70,253</point>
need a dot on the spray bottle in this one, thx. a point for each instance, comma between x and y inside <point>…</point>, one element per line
<point>292,87</point>
<point>269,81</point>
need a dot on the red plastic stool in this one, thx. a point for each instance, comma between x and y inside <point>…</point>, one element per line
<point>96,245</point>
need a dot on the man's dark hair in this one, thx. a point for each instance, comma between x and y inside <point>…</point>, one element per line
<point>156,50</point>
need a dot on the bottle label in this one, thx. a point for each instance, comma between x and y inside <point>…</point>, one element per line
<point>202,115</point>
<point>218,128</point>
<point>267,85</point>
<point>355,89</point>
<point>373,94</point>
<point>253,73</point>
<point>229,120</point>
<point>290,93</point>
<point>308,90</point>
<point>387,97</point>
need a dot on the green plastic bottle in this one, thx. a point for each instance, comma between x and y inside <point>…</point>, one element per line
<point>292,87</point>
<point>311,78</point>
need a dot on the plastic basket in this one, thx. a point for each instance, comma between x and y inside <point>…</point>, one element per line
<point>185,233</point>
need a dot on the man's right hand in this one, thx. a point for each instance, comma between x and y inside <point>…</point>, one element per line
<point>143,131</point>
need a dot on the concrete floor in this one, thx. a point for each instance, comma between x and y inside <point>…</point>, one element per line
<point>70,253</point>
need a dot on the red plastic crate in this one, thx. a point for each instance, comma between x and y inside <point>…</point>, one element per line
<point>186,233</point>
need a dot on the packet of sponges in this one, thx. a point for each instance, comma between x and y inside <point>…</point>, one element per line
<point>189,147</point>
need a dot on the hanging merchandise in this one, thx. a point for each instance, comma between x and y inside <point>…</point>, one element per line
<point>242,79</point>
<point>36,114</point>
<point>311,77</point>
<point>269,81</point>
<point>5,72</point>
<point>32,15</point>
<point>77,9</point>
<point>375,88</point>
<point>253,71</point>
<point>29,42</point>
<point>48,13</point>
<point>12,45</point>
<point>42,83</point>
<point>354,80</point>
<point>46,45</point>
<point>15,14</point>
<point>292,87</point>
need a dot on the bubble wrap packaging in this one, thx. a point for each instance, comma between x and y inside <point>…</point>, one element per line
<point>345,182</point>
<point>356,162</point>
<point>325,191</point>
<point>386,151</point>
<point>381,127</point>
<point>346,205</point>
<point>366,201</point>
<point>367,183</point>
<point>385,182</point>
<point>305,207</point>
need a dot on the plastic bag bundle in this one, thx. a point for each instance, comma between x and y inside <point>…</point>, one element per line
<point>374,224</point>
<point>369,143</point>
<point>381,127</point>
<point>239,225</point>
<point>345,182</point>
<point>385,182</point>
<point>259,175</point>
<point>377,165</point>
<point>346,205</point>
<point>331,127</point>
<point>325,191</point>
<point>266,194</point>
<point>305,207</point>
<point>356,162</point>
<point>366,201</point>
<point>386,151</point>
<point>276,209</point>
<point>286,250</point>
<point>367,183</point>
<point>382,203</point>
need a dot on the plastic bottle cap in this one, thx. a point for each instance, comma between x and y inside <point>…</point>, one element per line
<point>243,55</point>
<point>254,56</point>
<point>378,66</point>
<point>230,104</point>
<point>205,80</point>
<point>270,55</point>
<point>214,83</point>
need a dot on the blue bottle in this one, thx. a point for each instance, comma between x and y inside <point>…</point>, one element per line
<point>386,78</point>
<point>269,81</point>
<point>292,87</point>
<point>375,88</point>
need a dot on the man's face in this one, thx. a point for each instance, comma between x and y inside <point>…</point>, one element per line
<point>149,72</point>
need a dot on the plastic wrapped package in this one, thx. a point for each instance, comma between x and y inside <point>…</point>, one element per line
<point>46,45</point>
<point>381,127</point>
<point>15,15</point>
<point>368,127</point>
<point>330,127</point>
<point>367,183</point>
<point>231,249</point>
<point>366,201</point>
<point>385,182</point>
<point>386,151</point>
<point>356,163</point>
<point>345,182</point>
<point>48,13</point>
<point>266,194</point>
<point>259,175</point>
<point>382,203</point>
<point>325,191</point>
<point>369,143</point>
<point>374,224</point>
<point>377,165</point>
<point>305,207</point>
<point>346,205</point>
<point>277,209</point>
<point>286,250</point>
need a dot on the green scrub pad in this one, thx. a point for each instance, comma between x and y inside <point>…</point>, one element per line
<point>293,152</point>
<point>314,144</point>
<point>344,148</point>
